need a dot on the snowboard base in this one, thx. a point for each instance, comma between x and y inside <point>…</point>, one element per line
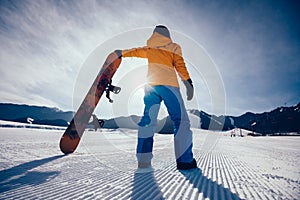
<point>71,137</point>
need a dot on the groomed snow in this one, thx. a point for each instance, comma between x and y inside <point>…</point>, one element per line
<point>104,167</point>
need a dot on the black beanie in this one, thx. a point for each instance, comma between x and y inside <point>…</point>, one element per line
<point>161,29</point>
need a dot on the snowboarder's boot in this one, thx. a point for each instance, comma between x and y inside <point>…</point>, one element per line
<point>186,166</point>
<point>144,165</point>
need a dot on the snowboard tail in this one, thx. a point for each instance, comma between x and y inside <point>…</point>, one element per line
<point>71,137</point>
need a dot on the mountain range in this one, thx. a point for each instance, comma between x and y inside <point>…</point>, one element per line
<point>39,114</point>
<point>279,120</point>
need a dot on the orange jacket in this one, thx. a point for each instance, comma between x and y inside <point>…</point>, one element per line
<point>164,60</point>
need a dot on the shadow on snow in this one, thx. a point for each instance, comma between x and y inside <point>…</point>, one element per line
<point>22,175</point>
<point>208,188</point>
<point>145,187</point>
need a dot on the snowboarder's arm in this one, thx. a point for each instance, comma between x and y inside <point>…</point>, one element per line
<point>179,65</point>
<point>140,52</point>
<point>183,73</point>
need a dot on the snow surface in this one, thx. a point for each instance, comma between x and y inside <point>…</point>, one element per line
<point>104,167</point>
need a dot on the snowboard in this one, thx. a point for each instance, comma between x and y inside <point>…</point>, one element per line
<point>71,137</point>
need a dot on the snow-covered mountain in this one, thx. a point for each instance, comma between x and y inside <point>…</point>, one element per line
<point>122,122</point>
<point>35,114</point>
<point>279,120</point>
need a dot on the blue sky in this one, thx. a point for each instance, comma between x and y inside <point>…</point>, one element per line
<point>254,47</point>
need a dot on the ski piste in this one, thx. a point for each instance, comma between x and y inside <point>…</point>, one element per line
<point>71,137</point>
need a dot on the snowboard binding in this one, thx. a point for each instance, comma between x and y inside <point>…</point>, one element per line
<point>111,88</point>
<point>101,122</point>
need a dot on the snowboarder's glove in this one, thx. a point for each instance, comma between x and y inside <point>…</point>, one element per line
<point>189,89</point>
<point>119,53</point>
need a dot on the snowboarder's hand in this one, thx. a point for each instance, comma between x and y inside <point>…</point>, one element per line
<point>189,89</point>
<point>119,53</point>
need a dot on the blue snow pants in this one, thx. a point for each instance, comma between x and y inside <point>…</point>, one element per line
<point>183,141</point>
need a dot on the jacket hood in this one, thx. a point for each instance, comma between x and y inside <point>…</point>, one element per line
<point>157,40</point>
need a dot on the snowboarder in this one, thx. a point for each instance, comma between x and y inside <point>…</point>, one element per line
<point>164,60</point>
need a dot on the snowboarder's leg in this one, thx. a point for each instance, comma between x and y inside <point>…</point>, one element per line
<point>147,127</point>
<point>183,140</point>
